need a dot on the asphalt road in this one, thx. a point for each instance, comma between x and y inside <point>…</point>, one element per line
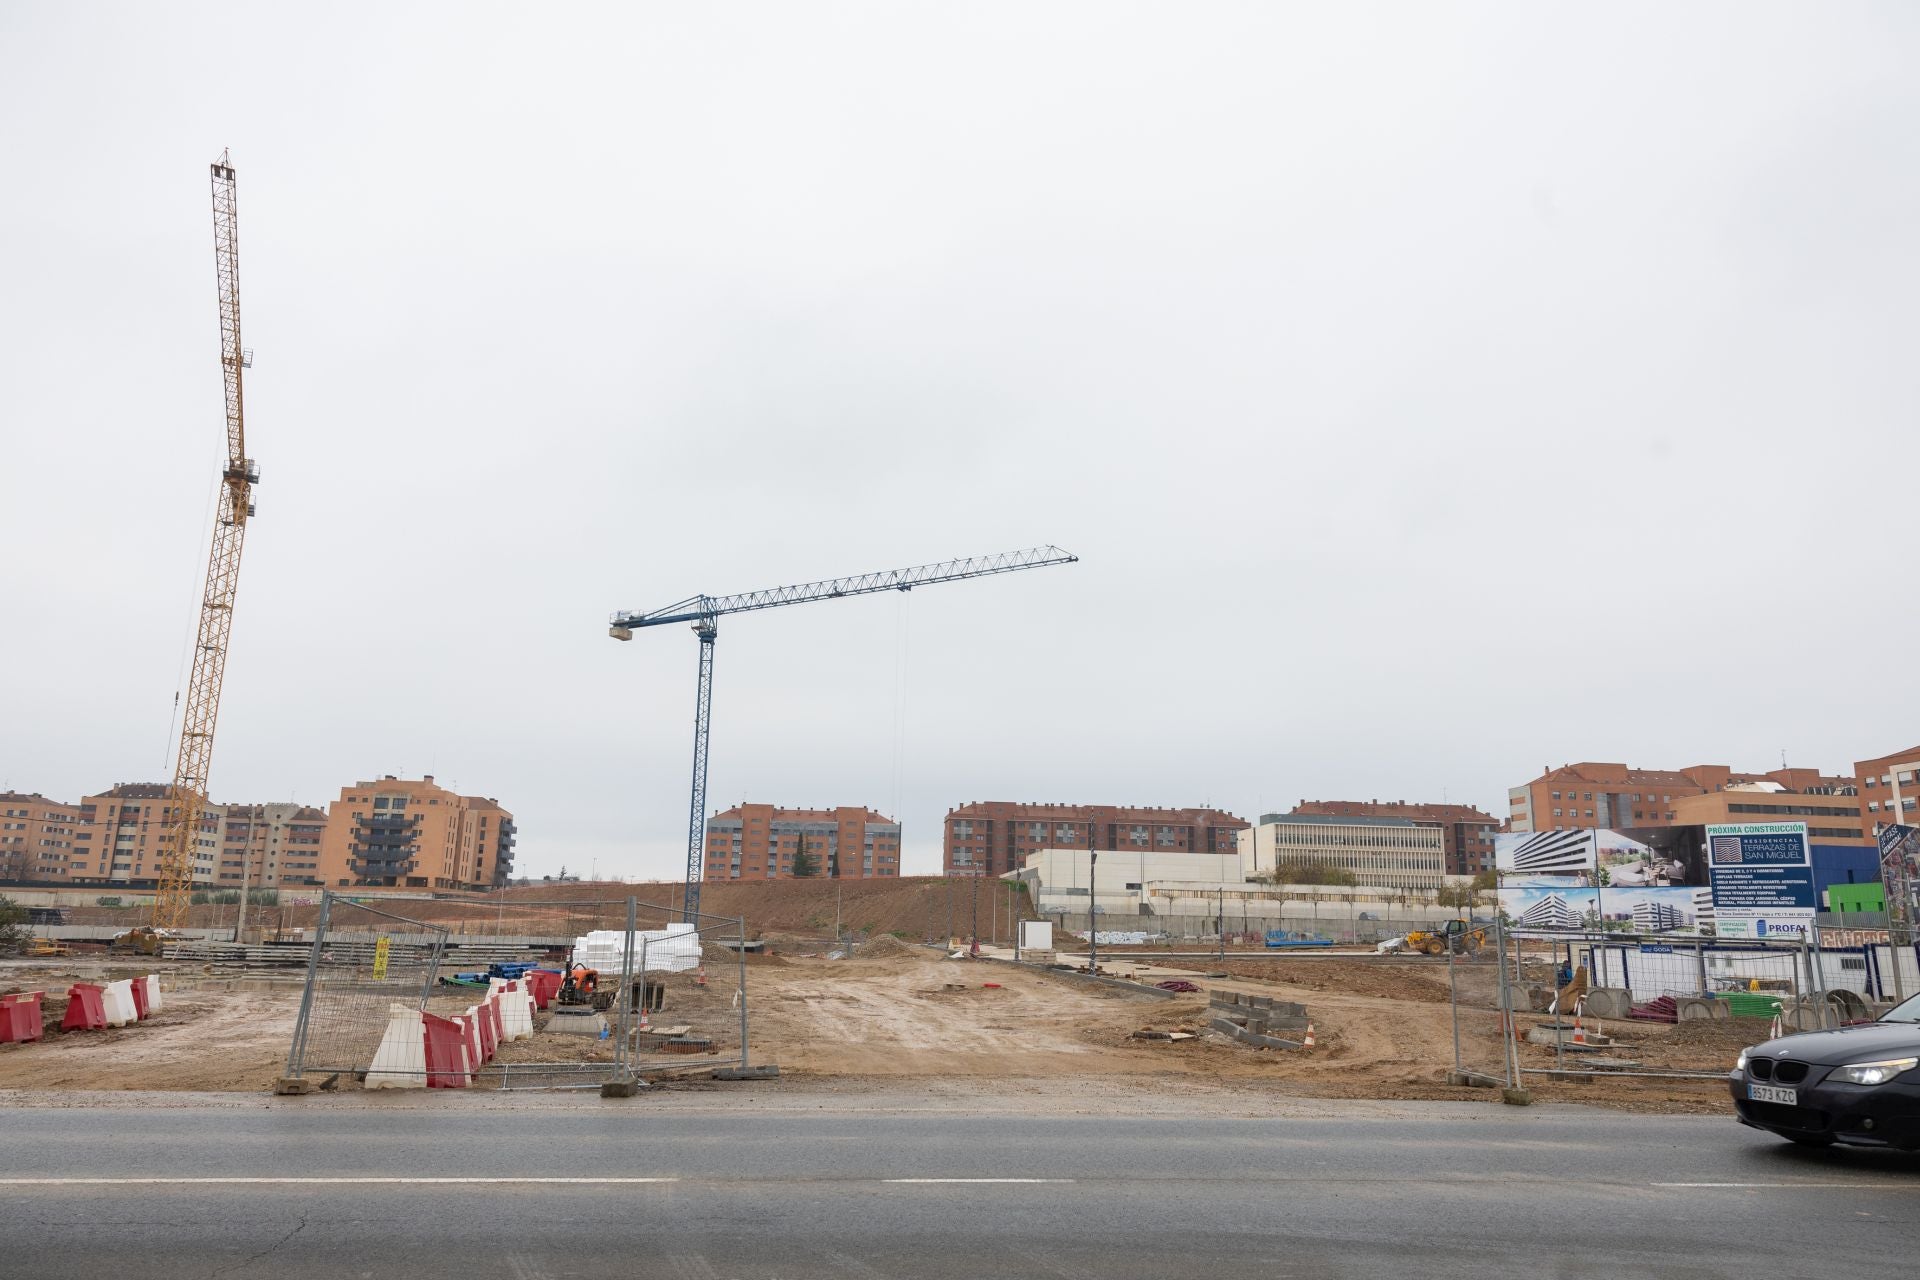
<point>616,1189</point>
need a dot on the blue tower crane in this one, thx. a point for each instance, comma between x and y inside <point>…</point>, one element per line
<point>703,613</point>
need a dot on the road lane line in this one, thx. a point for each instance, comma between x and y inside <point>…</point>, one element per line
<point>972,1180</point>
<point>1795,1186</point>
<point>308,1182</point>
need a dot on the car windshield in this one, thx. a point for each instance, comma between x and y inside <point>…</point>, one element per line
<point>1905,1011</point>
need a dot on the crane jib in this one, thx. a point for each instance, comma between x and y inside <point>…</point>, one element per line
<point>705,613</point>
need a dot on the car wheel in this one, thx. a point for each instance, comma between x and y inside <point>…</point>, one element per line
<point>1808,1139</point>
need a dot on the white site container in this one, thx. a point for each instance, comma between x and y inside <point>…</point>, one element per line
<point>674,949</point>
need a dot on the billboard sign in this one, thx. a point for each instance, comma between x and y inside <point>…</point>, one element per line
<point>1598,880</point>
<point>1762,879</point>
<point>1900,873</point>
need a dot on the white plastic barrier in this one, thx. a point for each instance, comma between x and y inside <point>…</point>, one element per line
<point>674,949</point>
<point>116,998</point>
<point>516,1008</point>
<point>152,982</point>
<point>401,1060</point>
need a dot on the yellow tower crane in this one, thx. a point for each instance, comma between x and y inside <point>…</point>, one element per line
<point>194,759</point>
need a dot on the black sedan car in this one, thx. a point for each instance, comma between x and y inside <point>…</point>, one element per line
<point>1859,1084</point>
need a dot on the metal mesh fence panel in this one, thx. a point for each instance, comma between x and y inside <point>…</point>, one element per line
<point>670,996</point>
<point>1480,992</point>
<point>364,961</point>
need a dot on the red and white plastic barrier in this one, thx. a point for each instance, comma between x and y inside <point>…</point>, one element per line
<point>401,1060</point>
<point>516,1008</point>
<point>424,1050</point>
<point>152,984</point>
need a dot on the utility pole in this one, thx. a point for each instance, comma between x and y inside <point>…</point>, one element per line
<point>1093,906</point>
<point>1220,913</point>
<point>975,927</point>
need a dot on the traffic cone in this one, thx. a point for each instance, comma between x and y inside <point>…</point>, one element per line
<point>1774,1034</point>
<point>1579,1030</point>
<point>700,977</point>
<point>1307,1043</point>
<point>645,1025</point>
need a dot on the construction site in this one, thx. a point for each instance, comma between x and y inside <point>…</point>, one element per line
<point>886,1000</point>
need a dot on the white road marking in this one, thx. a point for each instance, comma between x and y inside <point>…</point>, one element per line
<point>1795,1186</point>
<point>973,1180</point>
<point>306,1182</point>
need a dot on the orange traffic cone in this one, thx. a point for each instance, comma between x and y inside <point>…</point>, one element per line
<point>700,977</point>
<point>645,1025</point>
<point>1579,1030</point>
<point>1774,1034</point>
<point>1307,1043</point>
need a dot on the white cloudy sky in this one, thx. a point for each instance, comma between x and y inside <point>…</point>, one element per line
<point>1433,392</point>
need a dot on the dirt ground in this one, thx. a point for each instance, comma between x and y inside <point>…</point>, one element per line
<point>906,1014</point>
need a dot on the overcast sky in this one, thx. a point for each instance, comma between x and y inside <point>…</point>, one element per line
<point>1432,391</point>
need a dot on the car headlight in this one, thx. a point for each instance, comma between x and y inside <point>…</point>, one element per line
<point>1740,1063</point>
<point>1873,1072</point>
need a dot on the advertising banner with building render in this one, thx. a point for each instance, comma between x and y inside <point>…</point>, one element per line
<point>1644,880</point>
<point>1735,880</point>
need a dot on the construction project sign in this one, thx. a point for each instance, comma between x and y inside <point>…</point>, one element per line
<point>1762,879</point>
<point>380,950</point>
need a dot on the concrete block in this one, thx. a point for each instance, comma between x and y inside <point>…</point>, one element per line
<point>1697,1008</point>
<point>1562,1032</point>
<point>768,1072</point>
<point>1261,1002</point>
<point>1473,1080</point>
<point>1608,1002</point>
<point>1290,1008</point>
<point>566,1022</point>
<point>1516,1097</point>
<point>292,1086</point>
<point>1226,1027</point>
<point>622,1088</point>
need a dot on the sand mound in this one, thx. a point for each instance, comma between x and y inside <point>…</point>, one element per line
<point>885,946</point>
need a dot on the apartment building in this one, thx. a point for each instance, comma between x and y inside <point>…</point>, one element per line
<point>414,833</point>
<point>1466,833</point>
<point>36,837</point>
<point>1617,796</point>
<point>264,846</point>
<point>1879,778</point>
<point>1392,853</point>
<point>761,841</point>
<point>1832,817</point>
<point>122,835</point>
<point>995,836</point>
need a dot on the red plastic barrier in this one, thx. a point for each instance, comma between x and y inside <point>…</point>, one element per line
<point>544,985</point>
<point>487,1039</point>
<point>85,1012</point>
<point>139,988</point>
<point>446,1053</point>
<point>470,1029</point>
<point>20,1018</point>
<point>492,1009</point>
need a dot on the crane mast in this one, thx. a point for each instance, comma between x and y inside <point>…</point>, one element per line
<point>705,612</point>
<point>193,760</point>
